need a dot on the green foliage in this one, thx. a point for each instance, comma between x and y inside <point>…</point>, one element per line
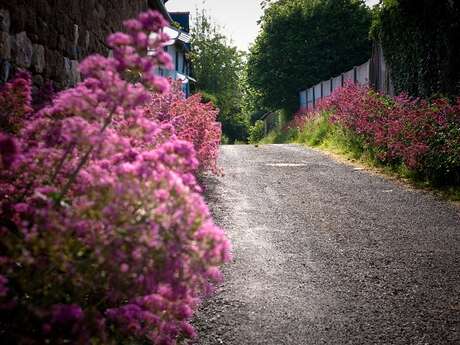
<point>344,141</point>
<point>303,42</point>
<point>176,25</point>
<point>420,39</point>
<point>251,99</point>
<point>315,131</point>
<point>280,136</point>
<point>254,116</point>
<point>208,97</point>
<point>217,66</point>
<point>319,131</point>
<point>216,63</point>
<point>235,126</point>
<point>224,140</point>
<point>257,132</point>
<point>441,168</point>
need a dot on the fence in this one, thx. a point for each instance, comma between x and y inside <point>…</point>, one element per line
<point>271,121</point>
<point>373,72</point>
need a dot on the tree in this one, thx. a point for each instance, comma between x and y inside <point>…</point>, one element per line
<point>302,42</point>
<point>250,100</point>
<point>217,66</point>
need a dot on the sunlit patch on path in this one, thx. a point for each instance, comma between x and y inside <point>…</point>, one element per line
<point>286,165</point>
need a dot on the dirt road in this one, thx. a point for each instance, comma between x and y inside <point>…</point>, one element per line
<point>328,254</point>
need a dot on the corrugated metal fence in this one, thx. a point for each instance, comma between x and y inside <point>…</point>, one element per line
<point>373,72</point>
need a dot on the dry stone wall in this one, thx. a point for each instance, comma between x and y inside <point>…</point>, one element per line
<point>49,37</point>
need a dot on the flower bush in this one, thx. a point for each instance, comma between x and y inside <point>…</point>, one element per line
<point>422,135</point>
<point>16,101</point>
<point>104,235</point>
<point>193,121</point>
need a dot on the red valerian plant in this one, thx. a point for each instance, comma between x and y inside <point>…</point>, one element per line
<point>423,135</point>
<point>104,235</point>
<point>15,101</point>
<point>193,121</point>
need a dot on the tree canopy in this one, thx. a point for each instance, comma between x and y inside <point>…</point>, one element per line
<point>217,66</point>
<point>302,42</point>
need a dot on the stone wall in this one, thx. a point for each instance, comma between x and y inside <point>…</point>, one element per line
<point>49,37</point>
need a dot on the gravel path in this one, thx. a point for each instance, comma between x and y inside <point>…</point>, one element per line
<point>327,254</point>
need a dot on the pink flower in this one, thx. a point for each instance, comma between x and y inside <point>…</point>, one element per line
<point>124,267</point>
<point>8,150</point>
<point>419,134</point>
<point>152,21</point>
<point>119,39</point>
<point>62,313</point>
<point>162,85</point>
<point>103,203</point>
<point>3,286</point>
<point>132,25</point>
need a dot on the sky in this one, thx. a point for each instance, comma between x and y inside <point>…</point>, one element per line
<point>238,18</point>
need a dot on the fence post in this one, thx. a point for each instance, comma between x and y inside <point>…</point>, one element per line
<point>314,98</point>
<point>355,75</point>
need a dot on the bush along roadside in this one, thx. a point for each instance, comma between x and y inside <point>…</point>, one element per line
<point>410,136</point>
<point>105,237</point>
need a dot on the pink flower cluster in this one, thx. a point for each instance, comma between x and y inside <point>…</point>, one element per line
<point>423,135</point>
<point>105,237</point>
<point>194,121</point>
<point>15,100</point>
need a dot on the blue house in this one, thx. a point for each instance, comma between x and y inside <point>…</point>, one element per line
<point>179,48</point>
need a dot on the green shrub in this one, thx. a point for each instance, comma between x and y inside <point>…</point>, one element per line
<point>256,132</point>
<point>314,132</point>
